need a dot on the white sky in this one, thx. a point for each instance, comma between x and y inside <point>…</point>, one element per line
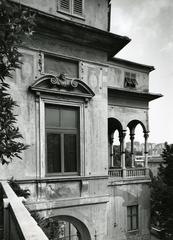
<point>149,24</point>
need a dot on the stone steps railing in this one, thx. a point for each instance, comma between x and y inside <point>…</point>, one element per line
<point>18,222</point>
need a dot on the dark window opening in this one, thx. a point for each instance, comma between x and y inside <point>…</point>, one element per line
<point>132,217</point>
<point>130,80</point>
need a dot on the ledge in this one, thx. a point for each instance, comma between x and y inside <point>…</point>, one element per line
<point>145,96</point>
<point>135,65</point>
<point>70,202</point>
<point>58,179</point>
<point>128,181</point>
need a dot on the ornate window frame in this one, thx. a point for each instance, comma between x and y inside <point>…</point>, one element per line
<point>63,91</point>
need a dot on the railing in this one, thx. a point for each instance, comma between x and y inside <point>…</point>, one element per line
<point>128,172</point>
<point>115,172</point>
<point>18,223</point>
<point>135,172</point>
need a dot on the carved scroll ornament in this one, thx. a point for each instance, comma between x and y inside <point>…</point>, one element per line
<point>62,81</point>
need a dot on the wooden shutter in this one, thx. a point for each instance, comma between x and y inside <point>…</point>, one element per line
<point>64,5</point>
<point>78,7</point>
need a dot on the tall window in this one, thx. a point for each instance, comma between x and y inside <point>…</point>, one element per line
<point>62,136</point>
<point>132,217</point>
<point>73,7</point>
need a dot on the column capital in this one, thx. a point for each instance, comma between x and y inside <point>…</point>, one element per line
<point>146,135</point>
<point>122,135</point>
<point>132,136</point>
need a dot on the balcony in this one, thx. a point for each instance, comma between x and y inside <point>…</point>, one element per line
<point>128,173</point>
<point>15,220</point>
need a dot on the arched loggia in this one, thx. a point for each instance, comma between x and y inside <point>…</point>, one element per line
<point>132,125</point>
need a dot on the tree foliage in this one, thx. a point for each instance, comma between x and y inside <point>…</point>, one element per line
<point>162,195</point>
<point>15,24</point>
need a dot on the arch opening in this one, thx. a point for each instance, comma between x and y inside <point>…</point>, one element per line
<point>64,228</point>
<point>114,146</point>
<point>137,144</point>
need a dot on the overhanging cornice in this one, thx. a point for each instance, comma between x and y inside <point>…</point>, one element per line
<point>145,96</point>
<point>80,33</point>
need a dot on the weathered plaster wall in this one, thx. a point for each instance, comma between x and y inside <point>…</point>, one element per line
<point>126,114</point>
<point>96,120</point>
<point>117,74</point>
<point>98,19</point>
<point>54,45</point>
<point>93,216</point>
<point>124,195</point>
<point>26,120</point>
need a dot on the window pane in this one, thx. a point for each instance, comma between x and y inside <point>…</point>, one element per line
<point>68,118</point>
<point>134,222</point>
<point>70,155</point>
<point>134,210</point>
<point>128,211</point>
<point>128,223</point>
<point>52,116</point>
<point>53,153</point>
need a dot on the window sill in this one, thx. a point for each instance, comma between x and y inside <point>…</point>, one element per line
<point>71,15</point>
<point>133,231</point>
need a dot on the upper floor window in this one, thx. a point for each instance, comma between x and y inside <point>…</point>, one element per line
<point>73,7</point>
<point>62,137</point>
<point>132,217</point>
<point>130,80</point>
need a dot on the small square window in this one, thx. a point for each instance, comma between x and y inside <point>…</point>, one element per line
<point>130,80</point>
<point>132,217</point>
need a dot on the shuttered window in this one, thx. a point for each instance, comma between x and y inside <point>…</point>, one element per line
<point>65,5</point>
<point>62,133</point>
<point>130,80</point>
<point>73,7</point>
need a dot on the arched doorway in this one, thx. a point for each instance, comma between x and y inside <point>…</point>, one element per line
<point>64,228</point>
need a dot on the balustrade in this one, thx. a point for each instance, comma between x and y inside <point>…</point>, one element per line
<point>128,172</point>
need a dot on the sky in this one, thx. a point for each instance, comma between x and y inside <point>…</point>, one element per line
<point>149,24</point>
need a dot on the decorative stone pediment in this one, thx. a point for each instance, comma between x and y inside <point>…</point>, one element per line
<point>62,85</point>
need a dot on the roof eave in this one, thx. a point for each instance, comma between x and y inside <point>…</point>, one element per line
<point>80,33</point>
<point>135,94</point>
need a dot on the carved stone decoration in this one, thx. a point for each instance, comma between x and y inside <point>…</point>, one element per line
<point>62,81</point>
<point>62,86</point>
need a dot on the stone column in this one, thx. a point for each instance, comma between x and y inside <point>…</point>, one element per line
<point>132,137</point>
<point>122,148</point>
<point>111,150</point>
<point>146,135</point>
